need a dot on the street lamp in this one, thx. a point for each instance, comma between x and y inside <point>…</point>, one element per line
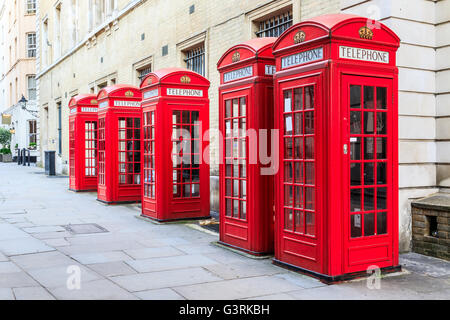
<point>23,103</point>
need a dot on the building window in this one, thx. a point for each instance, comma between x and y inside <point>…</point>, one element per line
<point>275,25</point>
<point>195,59</point>
<point>32,132</point>
<point>31,45</point>
<point>31,81</point>
<point>31,6</point>
<point>59,128</point>
<point>143,72</point>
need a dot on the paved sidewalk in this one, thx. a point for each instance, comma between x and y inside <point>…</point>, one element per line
<point>135,259</point>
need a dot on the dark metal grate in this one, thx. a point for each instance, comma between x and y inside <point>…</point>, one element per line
<point>275,26</point>
<point>195,60</point>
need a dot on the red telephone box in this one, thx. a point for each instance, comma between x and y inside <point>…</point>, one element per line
<point>246,107</point>
<point>83,143</point>
<point>175,155</point>
<point>119,144</point>
<point>336,109</point>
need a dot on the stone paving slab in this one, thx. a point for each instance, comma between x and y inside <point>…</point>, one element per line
<point>32,293</point>
<point>160,294</point>
<point>43,229</point>
<point>158,252</point>
<point>42,260</point>
<point>6,294</point>
<point>17,280</point>
<point>8,267</point>
<point>112,269</point>
<point>58,276</point>
<point>23,246</point>
<point>238,270</point>
<point>102,257</point>
<point>164,279</point>
<point>169,263</point>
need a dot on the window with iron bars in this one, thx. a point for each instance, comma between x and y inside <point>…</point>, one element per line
<point>195,59</point>
<point>144,72</point>
<point>275,26</point>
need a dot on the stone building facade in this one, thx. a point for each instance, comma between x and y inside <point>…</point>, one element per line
<point>86,45</point>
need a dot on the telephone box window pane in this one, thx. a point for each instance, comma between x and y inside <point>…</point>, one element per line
<point>369,177</point>
<point>381,123</point>
<point>369,97</point>
<point>288,196</point>
<point>228,188</point>
<point>288,172</point>
<point>288,219</point>
<point>355,200</point>
<point>288,148</point>
<point>243,107</point>
<point>236,188</point>
<point>356,230</point>
<point>243,189</point>
<point>185,117</point>
<point>369,122</point>
<point>176,117</point>
<point>195,118</point>
<point>381,148</point>
<point>187,191</point>
<point>288,125</point>
<point>369,149</point>
<point>299,219</point>
<point>369,199</point>
<point>382,199</point>
<point>298,197</point>
<point>229,207</point>
<point>298,99</point>
<point>298,119</point>
<point>355,174</point>
<point>236,209</point>
<point>310,173</point>
<point>243,210</point>
<point>235,107</point>
<point>355,148</point>
<point>355,97</point>
<point>228,113</point>
<point>195,190</point>
<point>243,170</point>
<point>369,224</point>
<point>381,173</point>
<point>309,97</point>
<point>310,199</point>
<point>298,148</point>
<point>310,223</point>
<point>381,98</point>
<point>309,122</point>
<point>355,122</point>
<point>288,101</point>
<point>298,172</point>
<point>381,223</point>
<point>309,148</point>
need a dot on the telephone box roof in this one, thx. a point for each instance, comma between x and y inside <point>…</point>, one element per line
<point>174,75</point>
<point>120,91</point>
<point>88,99</point>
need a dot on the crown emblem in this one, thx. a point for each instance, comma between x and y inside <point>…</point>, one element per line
<point>129,94</point>
<point>299,37</point>
<point>185,79</point>
<point>236,57</point>
<point>102,94</point>
<point>94,101</point>
<point>365,33</point>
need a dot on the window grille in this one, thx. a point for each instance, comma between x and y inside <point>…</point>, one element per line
<point>144,72</point>
<point>275,26</point>
<point>195,60</point>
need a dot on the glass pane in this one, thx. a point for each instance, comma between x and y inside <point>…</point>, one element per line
<point>355,122</point>
<point>369,224</point>
<point>369,150</point>
<point>288,219</point>
<point>355,200</point>
<point>369,97</point>
<point>369,122</point>
<point>309,148</point>
<point>355,97</point>
<point>299,222</point>
<point>369,199</point>
<point>309,122</point>
<point>381,148</point>
<point>229,207</point>
<point>228,188</point>
<point>288,125</point>
<point>309,173</point>
<point>243,107</point>
<point>288,152</point>
<point>235,108</point>
<point>355,148</point>
<point>310,223</point>
<point>298,197</point>
<point>228,170</point>
<point>298,119</point>
<point>381,98</point>
<point>381,223</point>
<point>381,123</point>
<point>355,174</point>
<point>298,99</point>
<point>288,196</point>
<point>176,117</point>
<point>236,209</point>
<point>243,210</point>
<point>243,189</point>
<point>309,97</point>
<point>298,166</point>
<point>382,199</point>
<point>195,190</point>
<point>186,117</point>
<point>381,173</point>
<point>236,188</point>
<point>309,198</point>
<point>288,101</point>
<point>356,230</point>
<point>369,176</point>
<point>195,117</point>
<point>228,109</point>
<point>288,172</point>
<point>298,150</point>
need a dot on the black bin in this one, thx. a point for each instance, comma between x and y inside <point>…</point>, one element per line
<point>50,163</point>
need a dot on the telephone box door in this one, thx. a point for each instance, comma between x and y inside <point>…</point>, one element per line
<point>300,179</point>
<point>235,166</point>
<point>368,171</point>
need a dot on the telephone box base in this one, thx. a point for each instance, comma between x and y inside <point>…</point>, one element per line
<point>81,191</point>
<point>161,221</point>
<point>245,252</point>
<point>117,202</point>
<point>334,279</point>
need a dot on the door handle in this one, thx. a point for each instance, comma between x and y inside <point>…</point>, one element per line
<point>345,148</point>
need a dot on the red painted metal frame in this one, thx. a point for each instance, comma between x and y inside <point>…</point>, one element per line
<point>119,158</point>
<point>181,191</point>
<point>246,214</point>
<point>83,143</point>
<point>332,254</point>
